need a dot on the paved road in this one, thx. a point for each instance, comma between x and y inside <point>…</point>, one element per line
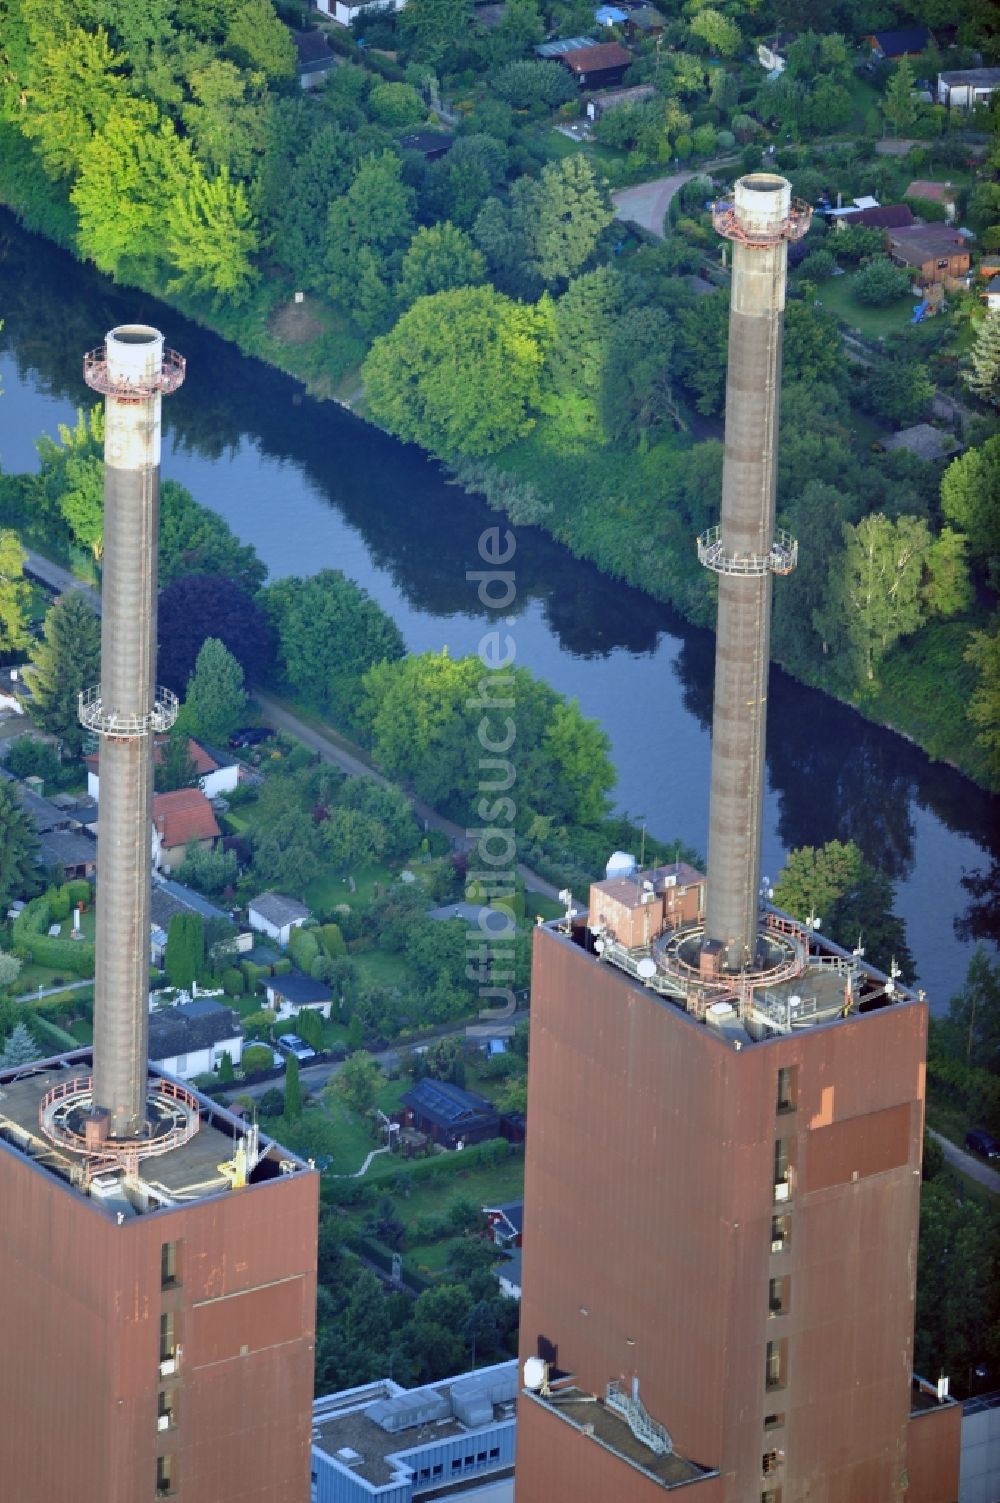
<point>59,578</point>
<point>967,1163</point>
<point>336,750</point>
<point>647,204</point>
<point>315,1077</point>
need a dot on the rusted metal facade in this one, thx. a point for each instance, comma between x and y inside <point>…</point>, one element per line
<point>86,1412</point>
<point>743,1242</point>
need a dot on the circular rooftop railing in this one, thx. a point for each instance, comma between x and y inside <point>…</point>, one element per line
<point>781,559</point>
<point>159,383</point>
<point>104,720</point>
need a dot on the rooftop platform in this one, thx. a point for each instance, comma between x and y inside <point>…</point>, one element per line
<point>373,1432</point>
<point>201,1167</point>
<point>592,1418</point>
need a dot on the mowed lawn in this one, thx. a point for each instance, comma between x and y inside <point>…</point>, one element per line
<point>874,323</point>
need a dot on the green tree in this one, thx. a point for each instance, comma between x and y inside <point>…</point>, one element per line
<point>196,540</point>
<point>534,84</point>
<point>396,105</point>
<point>78,86</point>
<point>285,855</point>
<point>983,375</point>
<point>82,502</point>
<point>983,653</point>
<point>351,838</point>
<point>970,501</point>
<point>20,1048</point>
<point>14,593</point>
<point>357,1081</point>
<point>64,662</point>
<point>898,105</point>
<point>216,700</point>
<point>367,229</point>
<point>462,371</point>
<point>637,389</point>
<point>185,953</point>
<point>439,257</point>
<point>880,282</point>
<point>852,899</point>
<point>718,32</point>
<point>560,217</point>
<point>585,317</point>
<point>226,1072</point>
<point>174,764</point>
<point>10,969</point>
<point>210,872</point>
<point>355,1035</point>
<point>19,873</point>
<point>226,119</point>
<point>899,389</point>
<point>258,39</point>
<point>293,1090</point>
<point>702,350</point>
<point>330,632</point>
<point>875,595</point>
<point>432,31</point>
<point>212,237</point>
<point>132,174</point>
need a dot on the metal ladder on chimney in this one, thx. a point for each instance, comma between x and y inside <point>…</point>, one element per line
<point>632,1410</point>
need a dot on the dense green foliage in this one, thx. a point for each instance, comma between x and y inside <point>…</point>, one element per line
<point>65,661</point>
<point>215,700</point>
<point>330,632</point>
<point>852,901</point>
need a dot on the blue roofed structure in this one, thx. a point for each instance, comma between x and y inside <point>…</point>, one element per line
<point>450,1115</point>
<point>903,41</point>
<point>384,1444</point>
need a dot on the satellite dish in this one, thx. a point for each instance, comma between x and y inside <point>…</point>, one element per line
<point>795,1001</point>
<point>646,969</point>
<point>534,1373</point>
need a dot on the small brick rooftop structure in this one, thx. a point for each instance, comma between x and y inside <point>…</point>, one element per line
<point>183,816</point>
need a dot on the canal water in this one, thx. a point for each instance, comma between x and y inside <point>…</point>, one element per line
<point>311,487</point>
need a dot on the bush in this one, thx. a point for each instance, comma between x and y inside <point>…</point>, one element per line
<point>928,209</point>
<point>303,947</point>
<point>880,282</point>
<point>281,967</point>
<point>818,266</point>
<point>255,1058</point>
<point>232,982</point>
<point>32,942</point>
<point>80,891</point>
<point>28,757</point>
<point>272,1103</point>
<point>332,940</point>
<point>58,901</point>
<point>395,105</point>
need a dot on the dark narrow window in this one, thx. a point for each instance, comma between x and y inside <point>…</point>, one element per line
<point>169,1265</point>
<point>786,1088</point>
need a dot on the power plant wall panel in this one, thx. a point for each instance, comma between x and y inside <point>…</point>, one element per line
<point>80,1304</point>
<point>857,1148</point>
<point>556,1464</point>
<point>648,1203</point>
<point>247,1322</point>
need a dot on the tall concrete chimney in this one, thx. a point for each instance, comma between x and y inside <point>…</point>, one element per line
<point>126,710</point>
<point>745,551</point>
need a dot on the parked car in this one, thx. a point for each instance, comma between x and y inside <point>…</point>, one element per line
<point>982,1143</point>
<point>290,1043</point>
<point>251,735</point>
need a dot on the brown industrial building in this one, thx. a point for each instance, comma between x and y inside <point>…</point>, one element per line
<point>722,1186</point>
<point>157,1257</point>
<point>158,1328</point>
<point>736,1228</point>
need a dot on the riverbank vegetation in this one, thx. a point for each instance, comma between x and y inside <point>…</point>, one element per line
<point>570,369</point>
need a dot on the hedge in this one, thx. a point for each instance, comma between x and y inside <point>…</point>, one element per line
<point>61,954</point>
